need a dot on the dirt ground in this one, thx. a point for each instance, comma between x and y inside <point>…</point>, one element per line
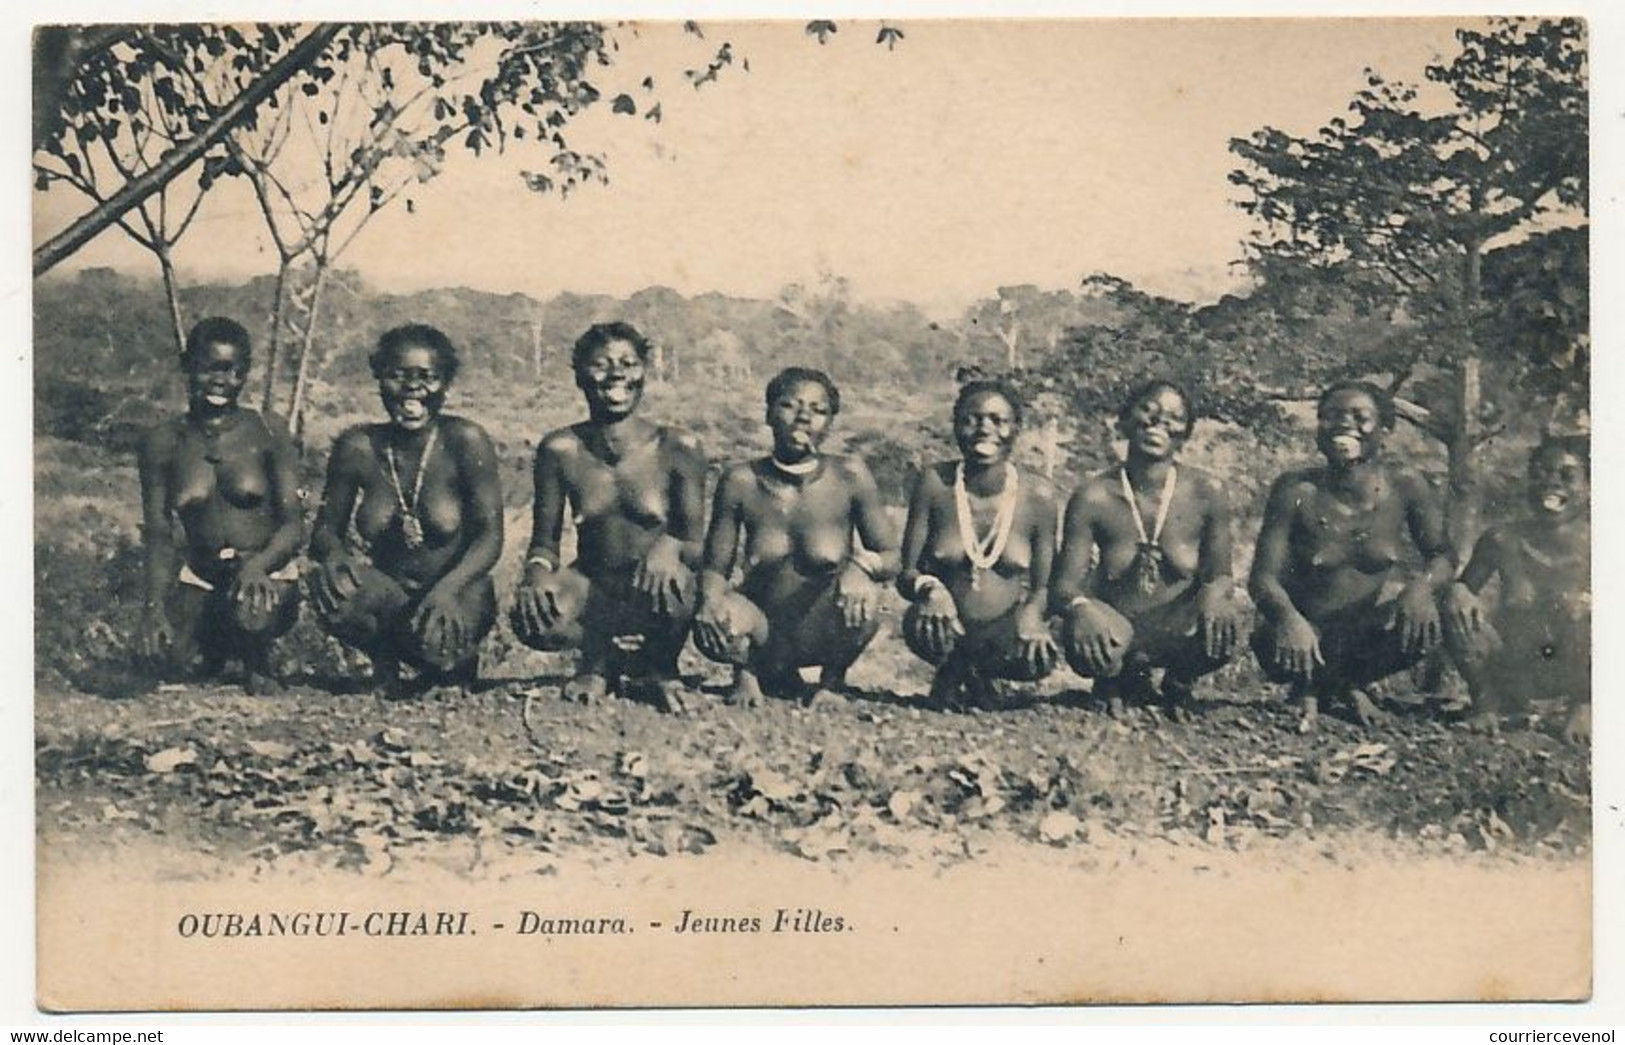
<point>328,774</point>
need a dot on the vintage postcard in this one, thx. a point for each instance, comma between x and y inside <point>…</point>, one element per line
<point>851,512</point>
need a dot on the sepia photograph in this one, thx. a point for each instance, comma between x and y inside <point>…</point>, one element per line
<point>850,512</point>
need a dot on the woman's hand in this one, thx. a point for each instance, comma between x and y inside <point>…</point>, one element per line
<point>660,575</point>
<point>939,620</point>
<point>254,592</point>
<point>1219,618</point>
<point>157,636</point>
<point>1035,645</point>
<point>857,596</point>
<point>1297,647</point>
<point>1416,616</point>
<point>439,624</point>
<point>334,580</point>
<point>1095,637</point>
<point>713,631</point>
<point>1464,610</point>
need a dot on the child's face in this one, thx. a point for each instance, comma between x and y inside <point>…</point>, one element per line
<point>1559,484</point>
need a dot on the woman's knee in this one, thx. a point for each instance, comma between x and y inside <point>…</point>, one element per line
<point>932,648</point>
<point>745,633</point>
<point>569,591</point>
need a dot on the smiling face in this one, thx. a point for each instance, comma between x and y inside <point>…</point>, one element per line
<point>611,377</point>
<point>413,387</point>
<point>215,377</point>
<point>799,418</point>
<point>1157,424</point>
<point>985,428</point>
<point>1559,484</point>
<point>1348,427</point>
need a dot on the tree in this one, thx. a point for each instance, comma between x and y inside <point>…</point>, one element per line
<point>1400,204</point>
<point>106,73</point>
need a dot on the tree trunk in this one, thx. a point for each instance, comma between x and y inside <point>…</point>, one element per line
<point>301,381</point>
<point>273,350</point>
<point>172,293</point>
<point>1466,496</point>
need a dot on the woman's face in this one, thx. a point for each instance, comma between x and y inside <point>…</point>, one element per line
<point>413,387</point>
<point>1348,428</point>
<point>611,377</point>
<point>1157,425</point>
<point>799,419</point>
<point>215,380</point>
<point>985,428</point>
<point>1559,485</point>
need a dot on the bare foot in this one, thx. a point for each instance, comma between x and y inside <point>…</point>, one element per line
<point>826,699</point>
<point>587,689</point>
<point>1116,707</point>
<point>1487,722</point>
<point>1308,714</point>
<point>1365,709</point>
<point>746,691</point>
<point>1176,700</point>
<point>1578,728</point>
<point>666,694</point>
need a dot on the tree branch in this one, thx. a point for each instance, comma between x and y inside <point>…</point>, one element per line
<point>88,227</point>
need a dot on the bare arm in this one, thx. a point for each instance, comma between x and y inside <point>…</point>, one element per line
<point>1217,559</point>
<point>481,484</point>
<point>1273,555</point>
<point>547,508</point>
<point>342,486</point>
<point>1042,536</point>
<point>157,530</point>
<point>1071,576</point>
<point>1425,517</point>
<point>916,530</point>
<point>1485,562</point>
<point>722,539</point>
<point>869,516</point>
<point>687,492</point>
<point>282,462</point>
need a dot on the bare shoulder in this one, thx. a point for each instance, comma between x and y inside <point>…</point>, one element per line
<point>1296,484</point>
<point>160,438</point>
<point>1408,481</point>
<point>681,446</point>
<point>1097,490</point>
<point>353,442</point>
<point>275,427</point>
<point>560,442</point>
<point>851,468</point>
<point>464,435</point>
<point>679,439</point>
<point>1202,481</point>
<point>737,477</point>
<point>1040,491</point>
<point>939,476</point>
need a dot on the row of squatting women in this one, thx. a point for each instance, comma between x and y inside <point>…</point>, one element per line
<point>1352,577</point>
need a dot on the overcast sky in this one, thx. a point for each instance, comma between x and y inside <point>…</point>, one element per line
<point>973,155</point>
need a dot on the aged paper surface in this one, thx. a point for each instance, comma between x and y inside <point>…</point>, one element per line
<point>513,850</point>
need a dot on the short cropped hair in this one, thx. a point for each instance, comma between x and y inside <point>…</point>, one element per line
<point>987,386</point>
<point>600,334</point>
<point>1378,395</point>
<point>1577,446</point>
<point>1150,388</point>
<point>791,376</point>
<point>395,341</point>
<point>216,330</point>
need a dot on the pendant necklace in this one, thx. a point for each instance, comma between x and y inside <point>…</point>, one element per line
<point>1148,557</point>
<point>984,552</point>
<point>411,525</point>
